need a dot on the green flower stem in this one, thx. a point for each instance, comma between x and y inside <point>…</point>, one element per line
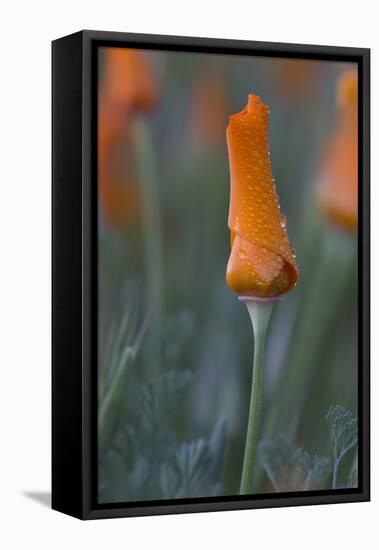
<point>152,226</point>
<point>260,313</point>
<point>353,475</point>
<point>335,473</point>
<point>113,397</point>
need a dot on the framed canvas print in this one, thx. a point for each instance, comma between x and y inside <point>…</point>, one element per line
<point>210,275</point>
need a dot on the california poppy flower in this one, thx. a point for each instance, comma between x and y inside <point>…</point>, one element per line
<point>261,262</point>
<point>296,78</point>
<point>119,201</point>
<point>337,190</point>
<point>128,83</point>
<point>209,109</point>
<point>127,87</point>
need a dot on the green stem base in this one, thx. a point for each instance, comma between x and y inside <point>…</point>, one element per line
<point>260,313</point>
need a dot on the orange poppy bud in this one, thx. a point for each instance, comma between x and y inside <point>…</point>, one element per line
<point>261,262</point>
<point>337,190</point>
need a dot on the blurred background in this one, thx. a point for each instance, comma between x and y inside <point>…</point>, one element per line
<point>175,344</point>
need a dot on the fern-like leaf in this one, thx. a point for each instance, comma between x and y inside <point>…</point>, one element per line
<point>188,469</point>
<point>343,430</point>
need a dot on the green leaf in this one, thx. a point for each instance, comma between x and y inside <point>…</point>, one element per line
<point>186,472</point>
<point>352,479</point>
<point>316,470</point>
<point>112,400</point>
<point>217,448</point>
<point>275,456</point>
<point>176,333</point>
<point>343,431</point>
<point>291,469</point>
<point>157,401</point>
<point>138,476</point>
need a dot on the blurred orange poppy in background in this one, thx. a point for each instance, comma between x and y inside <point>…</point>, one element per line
<point>209,109</point>
<point>295,78</point>
<point>127,87</point>
<point>261,262</point>
<point>337,190</point>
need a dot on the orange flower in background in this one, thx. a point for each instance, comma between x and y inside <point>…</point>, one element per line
<point>261,262</point>
<point>209,109</point>
<point>295,79</point>
<point>127,87</point>
<point>128,83</point>
<point>337,191</point>
<point>119,202</point>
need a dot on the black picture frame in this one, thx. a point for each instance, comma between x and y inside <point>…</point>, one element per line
<point>74,274</point>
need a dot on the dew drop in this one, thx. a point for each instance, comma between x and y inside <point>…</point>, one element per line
<point>283,221</point>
